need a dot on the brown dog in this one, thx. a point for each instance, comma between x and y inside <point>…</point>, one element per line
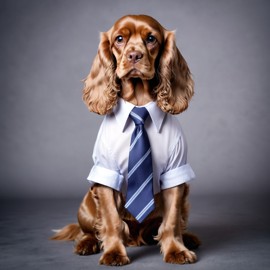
<point>137,62</point>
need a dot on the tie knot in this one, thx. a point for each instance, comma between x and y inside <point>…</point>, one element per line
<point>139,115</point>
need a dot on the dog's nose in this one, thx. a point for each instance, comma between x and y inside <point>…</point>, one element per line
<point>134,56</point>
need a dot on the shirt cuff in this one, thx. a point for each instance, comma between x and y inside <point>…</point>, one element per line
<point>176,177</point>
<point>105,177</point>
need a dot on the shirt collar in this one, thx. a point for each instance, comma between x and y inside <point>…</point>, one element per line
<point>123,109</point>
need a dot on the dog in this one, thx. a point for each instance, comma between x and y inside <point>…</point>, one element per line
<point>137,64</point>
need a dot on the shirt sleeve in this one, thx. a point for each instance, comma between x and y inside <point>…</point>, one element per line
<point>104,170</point>
<point>178,171</point>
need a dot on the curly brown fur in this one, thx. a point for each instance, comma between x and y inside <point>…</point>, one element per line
<point>169,77</point>
<point>105,224</point>
<point>131,65</point>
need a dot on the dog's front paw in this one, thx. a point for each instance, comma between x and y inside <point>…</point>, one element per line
<point>114,258</point>
<point>180,257</point>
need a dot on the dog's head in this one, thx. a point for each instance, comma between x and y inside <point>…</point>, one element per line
<point>137,47</point>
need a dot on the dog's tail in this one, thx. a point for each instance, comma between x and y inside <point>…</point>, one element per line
<point>68,233</point>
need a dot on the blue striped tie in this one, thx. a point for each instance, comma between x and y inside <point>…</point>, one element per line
<point>140,198</point>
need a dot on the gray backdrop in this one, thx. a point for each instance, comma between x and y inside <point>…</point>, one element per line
<point>47,134</point>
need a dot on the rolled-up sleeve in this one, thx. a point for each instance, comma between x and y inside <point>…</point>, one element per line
<point>104,171</point>
<point>178,171</point>
<point>106,177</point>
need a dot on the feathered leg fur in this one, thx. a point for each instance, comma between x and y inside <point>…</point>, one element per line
<point>105,224</point>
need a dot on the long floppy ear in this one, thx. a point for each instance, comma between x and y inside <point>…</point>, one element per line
<point>175,87</point>
<point>100,87</point>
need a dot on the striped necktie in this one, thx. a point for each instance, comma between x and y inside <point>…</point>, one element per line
<point>140,198</point>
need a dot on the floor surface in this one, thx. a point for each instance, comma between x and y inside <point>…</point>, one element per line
<point>235,232</point>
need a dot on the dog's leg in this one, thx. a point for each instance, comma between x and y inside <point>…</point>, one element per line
<point>86,243</point>
<point>170,231</point>
<point>111,228</point>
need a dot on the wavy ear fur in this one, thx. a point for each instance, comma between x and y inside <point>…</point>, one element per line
<point>100,87</point>
<point>175,87</point>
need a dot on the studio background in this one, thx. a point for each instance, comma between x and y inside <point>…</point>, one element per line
<point>47,134</point>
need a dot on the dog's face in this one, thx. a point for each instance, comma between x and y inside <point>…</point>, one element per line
<point>138,47</point>
<point>135,43</point>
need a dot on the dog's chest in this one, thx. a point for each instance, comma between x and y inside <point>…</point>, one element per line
<point>120,145</point>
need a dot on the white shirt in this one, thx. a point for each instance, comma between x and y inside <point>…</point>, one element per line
<point>168,149</point>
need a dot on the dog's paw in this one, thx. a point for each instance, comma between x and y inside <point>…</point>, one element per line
<point>114,259</point>
<point>180,257</point>
<point>87,247</point>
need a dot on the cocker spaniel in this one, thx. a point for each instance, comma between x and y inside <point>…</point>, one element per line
<point>137,63</point>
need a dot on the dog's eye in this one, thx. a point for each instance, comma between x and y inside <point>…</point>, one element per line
<point>150,39</point>
<point>119,39</point>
